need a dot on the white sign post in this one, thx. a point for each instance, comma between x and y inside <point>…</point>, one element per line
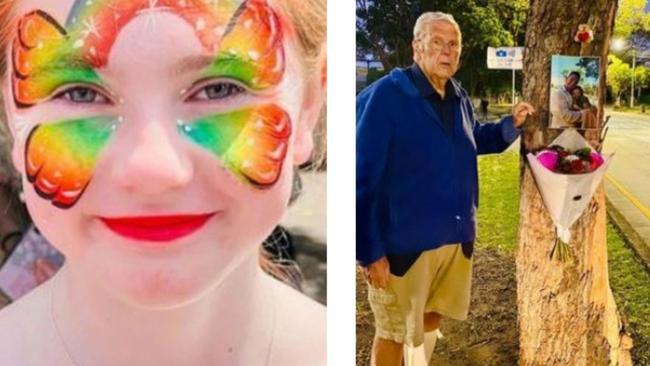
<point>506,58</point>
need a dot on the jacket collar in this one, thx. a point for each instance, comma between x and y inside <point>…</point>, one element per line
<point>426,89</point>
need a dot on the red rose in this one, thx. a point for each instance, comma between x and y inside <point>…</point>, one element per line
<point>577,166</point>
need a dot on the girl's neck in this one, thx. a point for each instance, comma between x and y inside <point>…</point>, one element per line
<point>97,329</point>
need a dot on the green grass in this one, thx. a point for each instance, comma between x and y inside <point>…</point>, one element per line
<point>631,285</point>
<point>498,214</point>
<point>626,108</point>
<point>498,217</point>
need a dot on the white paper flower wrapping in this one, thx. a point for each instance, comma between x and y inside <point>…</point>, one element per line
<point>566,196</point>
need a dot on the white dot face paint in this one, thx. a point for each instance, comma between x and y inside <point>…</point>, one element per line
<point>230,190</point>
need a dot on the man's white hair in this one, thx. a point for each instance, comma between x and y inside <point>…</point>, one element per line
<point>432,16</point>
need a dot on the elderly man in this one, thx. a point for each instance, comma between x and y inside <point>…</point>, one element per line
<point>562,114</point>
<point>417,191</point>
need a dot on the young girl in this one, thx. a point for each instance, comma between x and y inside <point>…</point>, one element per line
<point>157,141</point>
<point>580,101</point>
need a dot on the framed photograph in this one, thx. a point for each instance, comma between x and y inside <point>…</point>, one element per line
<point>574,91</point>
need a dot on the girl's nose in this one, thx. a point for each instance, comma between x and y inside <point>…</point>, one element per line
<point>154,163</point>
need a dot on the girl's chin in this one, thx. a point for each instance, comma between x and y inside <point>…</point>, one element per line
<point>157,294</point>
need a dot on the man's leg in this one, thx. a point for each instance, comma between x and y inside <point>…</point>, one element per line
<point>386,353</point>
<point>421,355</point>
<point>398,312</point>
<point>431,333</point>
<point>431,321</point>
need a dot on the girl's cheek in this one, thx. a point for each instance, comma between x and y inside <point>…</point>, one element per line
<point>251,143</point>
<point>60,157</point>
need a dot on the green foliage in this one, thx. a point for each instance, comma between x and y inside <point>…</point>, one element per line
<point>385,28</point>
<point>374,74</point>
<point>589,67</point>
<point>619,75</point>
<point>631,18</point>
<point>641,77</point>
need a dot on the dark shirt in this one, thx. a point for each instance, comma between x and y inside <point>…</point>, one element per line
<point>444,107</point>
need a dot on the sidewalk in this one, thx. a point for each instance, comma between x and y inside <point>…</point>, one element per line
<point>630,216</point>
<point>626,183</point>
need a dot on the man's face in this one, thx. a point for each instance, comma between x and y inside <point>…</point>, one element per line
<point>571,82</point>
<point>438,50</point>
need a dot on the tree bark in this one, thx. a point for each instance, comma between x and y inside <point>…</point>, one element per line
<point>567,314</point>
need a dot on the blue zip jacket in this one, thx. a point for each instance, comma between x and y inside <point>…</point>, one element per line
<point>417,185</point>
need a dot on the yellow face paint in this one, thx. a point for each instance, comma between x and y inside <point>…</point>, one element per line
<point>246,40</point>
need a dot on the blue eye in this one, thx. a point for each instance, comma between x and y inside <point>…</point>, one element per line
<point>218,91</point>
<point>83,95</point>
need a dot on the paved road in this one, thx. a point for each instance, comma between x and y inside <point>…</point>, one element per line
<point>628,181</point>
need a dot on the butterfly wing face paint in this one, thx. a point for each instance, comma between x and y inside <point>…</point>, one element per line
<point>43,60</point>
<point>97,24</point>
<point>60,158</point>
<point>252,143</point>
<point>47,55</point>
<point>246,40</point>
<point>252,49</point>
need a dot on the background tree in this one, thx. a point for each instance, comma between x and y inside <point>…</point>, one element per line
<point>631,18</point>
<point>619,77</point>
<point>642,79</point>
<point>567,314</point>
<point>385,28</point>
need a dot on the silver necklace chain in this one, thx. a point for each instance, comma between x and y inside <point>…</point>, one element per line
<point>68,355</point>
<point>55,282</point>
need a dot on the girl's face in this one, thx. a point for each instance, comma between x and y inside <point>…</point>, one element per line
<point>577,93</point>
<point>157,138</point>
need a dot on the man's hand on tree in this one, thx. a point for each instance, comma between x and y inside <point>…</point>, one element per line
<point>520,112</point>
<point>377,273</point>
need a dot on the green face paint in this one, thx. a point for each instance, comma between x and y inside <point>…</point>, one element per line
<point>251,143</point>
<point>60,157</point>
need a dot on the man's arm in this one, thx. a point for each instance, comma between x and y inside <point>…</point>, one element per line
<point>374,132</point>
<point>496,137</point>
<point>561,109</point>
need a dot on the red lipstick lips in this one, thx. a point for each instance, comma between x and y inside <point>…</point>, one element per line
<point>156,228</point>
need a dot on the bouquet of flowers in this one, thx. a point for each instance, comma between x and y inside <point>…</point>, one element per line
<point>567,174</point>
<point>563,161</point>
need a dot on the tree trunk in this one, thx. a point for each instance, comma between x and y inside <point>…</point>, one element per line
<point>567,315</point>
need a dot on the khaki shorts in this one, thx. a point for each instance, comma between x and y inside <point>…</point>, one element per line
<point>439,281</point>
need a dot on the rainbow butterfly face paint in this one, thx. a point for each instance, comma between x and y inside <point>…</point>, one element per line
<point>46,55</point>
<point>251,143</point>
<point>60,157</point>
<point>245,40</point>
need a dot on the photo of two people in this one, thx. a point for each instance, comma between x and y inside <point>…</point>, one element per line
<point>574,89</point>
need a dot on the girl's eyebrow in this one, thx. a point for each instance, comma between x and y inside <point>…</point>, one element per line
<point>191,64</point>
